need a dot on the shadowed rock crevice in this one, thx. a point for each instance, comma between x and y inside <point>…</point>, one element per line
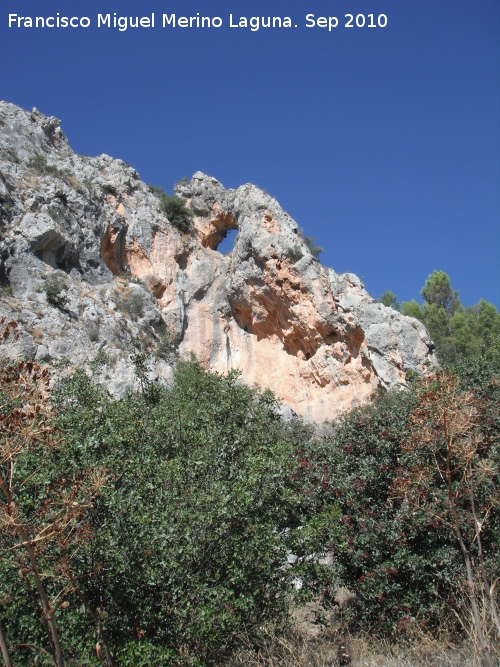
<point>113,247</point>
<point>182,260</point>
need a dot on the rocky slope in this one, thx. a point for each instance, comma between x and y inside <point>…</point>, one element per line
<point>93,270</point>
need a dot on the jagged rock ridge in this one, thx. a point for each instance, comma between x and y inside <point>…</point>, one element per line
<point>314,337</point>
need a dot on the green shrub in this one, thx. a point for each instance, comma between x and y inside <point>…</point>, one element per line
<point>135,304</point>
<point>56,291</point>
<point>294,254</point>
<point>130,302</point>
<point>39,164</point>
<point>387,557</point>
<point>101,359</point>
<point>314,249</point>
<point>174,207</point>
<point>168,342</point>
<point>202,506</point>
<point>405,566</point>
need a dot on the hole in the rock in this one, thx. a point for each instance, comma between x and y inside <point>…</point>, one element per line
<point>227,244</point>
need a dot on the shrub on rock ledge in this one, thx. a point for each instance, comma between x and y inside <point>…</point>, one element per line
<point>175,209</point>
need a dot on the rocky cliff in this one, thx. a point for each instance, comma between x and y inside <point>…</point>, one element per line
<point>92,269</point>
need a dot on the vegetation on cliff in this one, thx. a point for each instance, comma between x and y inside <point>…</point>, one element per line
<point>174,208</point>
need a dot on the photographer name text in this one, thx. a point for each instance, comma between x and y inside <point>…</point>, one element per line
<point>195,22</point>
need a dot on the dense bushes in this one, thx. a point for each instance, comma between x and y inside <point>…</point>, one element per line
<point>163,526</point>
<point>397,564</point>
<point>193,507</point>
<point>402,515</point>
<point>43,522</point>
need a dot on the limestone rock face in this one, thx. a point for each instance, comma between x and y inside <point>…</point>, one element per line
<point>130,281</point>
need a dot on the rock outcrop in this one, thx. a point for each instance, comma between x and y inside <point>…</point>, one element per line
<point>90,232</point>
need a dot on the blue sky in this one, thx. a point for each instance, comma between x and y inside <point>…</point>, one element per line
<point>383,143</point>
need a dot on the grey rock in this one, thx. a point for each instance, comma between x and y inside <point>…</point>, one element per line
<point>315,337</point>
<point>42,353</point>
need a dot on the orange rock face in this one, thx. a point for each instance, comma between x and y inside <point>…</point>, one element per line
<point>315,338</point>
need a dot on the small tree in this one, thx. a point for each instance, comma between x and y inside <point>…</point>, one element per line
<point>43,519</point>
<point>437,290</point>
<point>450,474</point>
<point>389,299</point>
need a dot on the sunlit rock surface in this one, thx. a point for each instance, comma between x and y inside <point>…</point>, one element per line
<point>130,279</point>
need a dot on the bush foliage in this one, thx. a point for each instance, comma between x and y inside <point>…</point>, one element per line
<point>401,554</point>
<point>174,207</point>
<point>193,507</point>
<point>56,291</point>
<point>314,249</point>
<point>159,528</point>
